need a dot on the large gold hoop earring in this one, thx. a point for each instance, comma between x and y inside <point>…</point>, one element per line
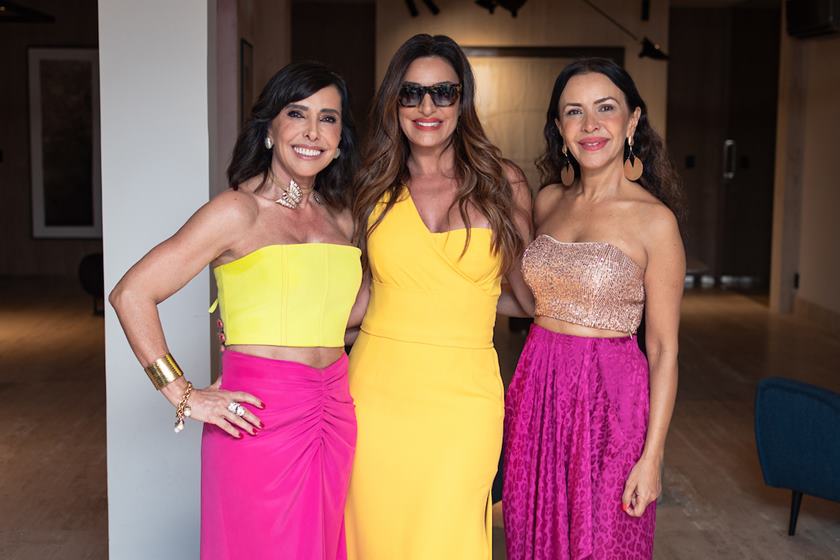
<point>567,172</point>
<point>633,167</point>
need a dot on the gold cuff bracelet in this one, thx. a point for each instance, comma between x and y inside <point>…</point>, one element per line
<point>163,371</point>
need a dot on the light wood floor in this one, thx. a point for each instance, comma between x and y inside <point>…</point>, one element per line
<point>53,501</point>
<point>52,433</point>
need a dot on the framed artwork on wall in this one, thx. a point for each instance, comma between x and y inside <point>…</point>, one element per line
<point>64,143</point>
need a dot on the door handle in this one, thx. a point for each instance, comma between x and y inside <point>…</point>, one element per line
<point>729,159</point>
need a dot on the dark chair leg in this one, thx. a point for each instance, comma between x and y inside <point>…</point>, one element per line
<point>796,501</point>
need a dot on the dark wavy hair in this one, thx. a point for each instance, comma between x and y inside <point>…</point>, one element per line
<point>659,177</point>
<point>295,82</point>
<point>479,166</point>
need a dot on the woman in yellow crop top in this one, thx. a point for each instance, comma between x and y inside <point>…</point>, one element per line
<point>279,242</point>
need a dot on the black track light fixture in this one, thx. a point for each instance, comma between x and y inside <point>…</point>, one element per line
<point>432,7</point>
<point>652,50</point>
<point>649,48</point>
<point>12,12</point>
<point>489,5</point>
<point>412,7</point>
<point>512,6</point>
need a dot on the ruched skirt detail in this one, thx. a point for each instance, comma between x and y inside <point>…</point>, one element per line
<point>280,494</point>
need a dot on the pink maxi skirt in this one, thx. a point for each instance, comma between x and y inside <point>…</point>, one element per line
<point>280,495</point>
<point>575,425</point>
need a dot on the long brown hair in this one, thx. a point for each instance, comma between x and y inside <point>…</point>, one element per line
<point>659,176</point>
<point>479,166</point>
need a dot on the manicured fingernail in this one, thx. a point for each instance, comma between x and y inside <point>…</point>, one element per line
<point>624,507</point>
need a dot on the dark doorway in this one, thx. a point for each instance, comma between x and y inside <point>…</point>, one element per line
<point>722,102</point>
<point>342,35</point>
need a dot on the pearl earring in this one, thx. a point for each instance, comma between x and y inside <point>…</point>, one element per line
<point>268,143</point>
<point>337,153</point>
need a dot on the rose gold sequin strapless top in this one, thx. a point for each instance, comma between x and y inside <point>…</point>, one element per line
<point>593,284</point>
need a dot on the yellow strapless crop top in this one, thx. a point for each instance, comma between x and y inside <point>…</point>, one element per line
<point>289,295</point>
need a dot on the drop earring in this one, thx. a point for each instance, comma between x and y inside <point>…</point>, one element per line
<point>633,167</point>
<point>269,143</point>
<point>567,173</point>
<point>337,153</point>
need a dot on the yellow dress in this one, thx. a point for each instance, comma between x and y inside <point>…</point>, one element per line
<point>429,398</point>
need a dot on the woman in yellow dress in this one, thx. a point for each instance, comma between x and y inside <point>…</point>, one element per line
<point>442,218</point>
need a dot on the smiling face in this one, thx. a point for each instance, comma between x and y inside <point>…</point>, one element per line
<point>594,120</point>
<point>306,134</point>
<point>428,125</point>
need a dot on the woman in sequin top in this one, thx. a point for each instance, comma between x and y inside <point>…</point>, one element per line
<point>587,413</point>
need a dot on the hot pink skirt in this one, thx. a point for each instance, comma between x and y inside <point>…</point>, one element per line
<point>280,494</point>
<point>575,424</point>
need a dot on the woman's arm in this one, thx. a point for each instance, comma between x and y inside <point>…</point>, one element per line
<point>518,301</point>
<point>166,269</point>
<point>664,281</point>
<point>508,304</point>
<point>357,313</point>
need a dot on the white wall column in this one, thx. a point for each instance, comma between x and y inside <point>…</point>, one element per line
<point>155,174</point>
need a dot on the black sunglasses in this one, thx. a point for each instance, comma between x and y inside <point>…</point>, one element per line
<point>443,95</point>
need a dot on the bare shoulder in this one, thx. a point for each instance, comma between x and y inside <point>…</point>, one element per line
<point>514,175</point>
<point>659,227</point>
<point>521,192</point>
<point>546,201</point>
<point>649,214</point>
<point>236,209</point>
<point>657,219</point>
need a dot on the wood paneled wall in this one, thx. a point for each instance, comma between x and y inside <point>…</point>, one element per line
<point>75,26</point>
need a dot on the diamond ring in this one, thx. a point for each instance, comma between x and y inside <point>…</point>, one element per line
<point>236,408</point>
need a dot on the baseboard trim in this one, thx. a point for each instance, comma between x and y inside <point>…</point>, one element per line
<point>816,313</point>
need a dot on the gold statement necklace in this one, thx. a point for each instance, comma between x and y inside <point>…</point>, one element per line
<point>293,194</point>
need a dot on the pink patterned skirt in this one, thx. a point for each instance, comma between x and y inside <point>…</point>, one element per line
<point>575,424</point>
<point>280,494</point>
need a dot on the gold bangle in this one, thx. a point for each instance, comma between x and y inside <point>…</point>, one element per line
<point>163,371</point>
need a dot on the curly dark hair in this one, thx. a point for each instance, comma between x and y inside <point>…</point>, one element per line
<point>479,165</point>
<point>659,177</point>
<point>295,82</point>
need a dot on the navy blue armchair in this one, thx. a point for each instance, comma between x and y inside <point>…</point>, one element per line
<point>797,433</point>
